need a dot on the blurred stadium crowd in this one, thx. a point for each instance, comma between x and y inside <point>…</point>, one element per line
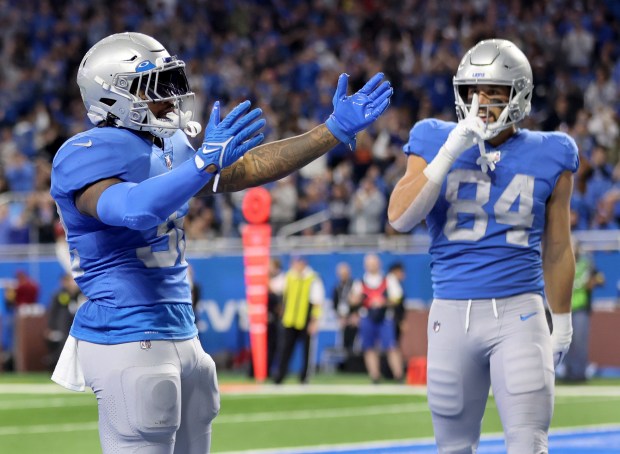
<point>286,55</point>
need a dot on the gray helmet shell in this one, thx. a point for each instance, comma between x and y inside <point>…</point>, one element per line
<point>496,62</point>
<point>124,72</point>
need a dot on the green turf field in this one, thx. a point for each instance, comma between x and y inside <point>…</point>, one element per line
<point>39,418</point>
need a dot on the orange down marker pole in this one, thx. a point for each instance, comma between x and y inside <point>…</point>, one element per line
<point>256,242</point>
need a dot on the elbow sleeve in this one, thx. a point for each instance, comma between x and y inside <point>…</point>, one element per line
<point>118,206</point>
<point>149,203</point>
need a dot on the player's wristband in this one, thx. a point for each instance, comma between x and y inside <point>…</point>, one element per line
<point>438,168</point>
<point>562,326</point>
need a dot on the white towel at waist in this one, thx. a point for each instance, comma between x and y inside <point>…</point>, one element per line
<point>68,372</point>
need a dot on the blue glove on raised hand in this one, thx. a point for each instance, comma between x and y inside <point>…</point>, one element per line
<point>226,141</point>
<point>354,113</point>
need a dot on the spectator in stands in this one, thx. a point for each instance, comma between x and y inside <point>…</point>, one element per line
<point>338,209</point>
<point>602,91</point>
<point>560,116</point>
<point>303,296</point>
<point>283,203</point>
<point>313,197</point>
<point>603,126</point>
<point>598,176</point>
<point>578,44</point>
<point>367,209</point>
<point>20,173</point>
<point>202,223</point>
<point>41,215</point>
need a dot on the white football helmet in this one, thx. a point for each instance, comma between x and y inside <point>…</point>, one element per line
<point>496,62</point>
<point>122,74</point>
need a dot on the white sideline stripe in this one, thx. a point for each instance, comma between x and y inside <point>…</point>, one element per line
<point>48,428</point>
<point>55,402</point>
<point>392,390</point>
<point>89,401</point>
<point>314,414</point>
<point>591,391</point>
<point>344,390</point>
<point>22,388</point>
<point>223,419</point>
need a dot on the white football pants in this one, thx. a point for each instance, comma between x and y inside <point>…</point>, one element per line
<point>503,343</point>
<point>154,397</point>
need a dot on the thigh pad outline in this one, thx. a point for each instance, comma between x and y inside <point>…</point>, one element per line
<point>152,398</point>
<point>208,396</point>
<point>524,368</point>
<point>445,391</point>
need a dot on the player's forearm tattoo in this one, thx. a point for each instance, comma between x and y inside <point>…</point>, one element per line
<point>275,160</point>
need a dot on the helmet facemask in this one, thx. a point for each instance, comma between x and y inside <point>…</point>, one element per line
<point>161,84</point>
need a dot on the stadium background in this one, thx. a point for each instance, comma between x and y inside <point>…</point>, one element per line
<point>285,56</point>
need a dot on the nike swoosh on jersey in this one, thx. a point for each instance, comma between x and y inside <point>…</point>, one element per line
<point>524,317</point>
<point>83,144</point>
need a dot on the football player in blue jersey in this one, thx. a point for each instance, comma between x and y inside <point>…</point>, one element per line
<point>122,190</point>
<point>496,202</point>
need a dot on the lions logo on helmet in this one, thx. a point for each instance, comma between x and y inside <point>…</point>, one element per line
<point>144,66</point>
<point>121,75</point>
<point>496,62</point>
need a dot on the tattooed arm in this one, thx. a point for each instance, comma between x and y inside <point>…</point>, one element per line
<point>274,160</point>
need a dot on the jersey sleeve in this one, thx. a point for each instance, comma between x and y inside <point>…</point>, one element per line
<point>427,137</point>
<point>77,166</point>
<point>571,161</point>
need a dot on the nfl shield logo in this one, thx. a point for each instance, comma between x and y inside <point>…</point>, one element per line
<point>436,326</point>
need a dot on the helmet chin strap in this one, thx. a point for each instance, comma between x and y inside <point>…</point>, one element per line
<point>500,124</point>
<point>493,129</point>
<point>166,128</point>
<point>193,128</point>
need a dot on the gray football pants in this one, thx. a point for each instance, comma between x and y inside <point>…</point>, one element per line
<point>154,397</point>
<point>503,343</point>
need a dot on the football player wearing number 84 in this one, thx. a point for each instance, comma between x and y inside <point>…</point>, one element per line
<point>122,189</point>
<point>496,200</point>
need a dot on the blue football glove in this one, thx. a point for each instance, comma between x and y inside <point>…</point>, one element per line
<point>354,113</point>
<point>226,141</point>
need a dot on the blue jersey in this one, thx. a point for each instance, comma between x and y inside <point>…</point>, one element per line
<point>135,281</point>
<point>486,228</point>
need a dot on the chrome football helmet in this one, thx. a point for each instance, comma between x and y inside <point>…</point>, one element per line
<point>496,62</point>
<point>121,75</point>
